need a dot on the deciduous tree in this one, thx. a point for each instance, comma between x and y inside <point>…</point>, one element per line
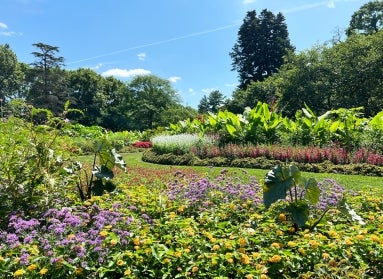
<point>367,20</point>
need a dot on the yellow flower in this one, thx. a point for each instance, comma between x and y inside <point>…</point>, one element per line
<point>264,276</point>
<point>230,260</point>
<point>292,230</point>
<point>275,259</point>
<point>70,236</point>
<point>242,242</point>
<point>348,241</point>
<point>275,245</point>
<point>279,232</point>
<point>79,270</point>
<point>302,251</point>
<point>359,237</point>
<point>194,269</point>
<point>120,262</point>
<point>113,242</point>
<point>18,272</point>
<point>136,241</point>
<point>166,261</point>
<point>177,254</point>
<point>31,267</point>
<point>108,227</point>
<point>332,234</point>
<point>314,244</point>
<point>43,271</point>
<point>216,247</point>
<point>291,244</point>
<point>228,245</point>
<point>249,276</point>
<point>172,215</point>
<point>282,217</point>
<point>103,233</point>
<point>255,255</point>
<point>1,258</point>
<point>245,259</point>
<point>127,272</point>
<point>325,256</point>
<point>375,238</point>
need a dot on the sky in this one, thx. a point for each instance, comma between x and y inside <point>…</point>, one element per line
<point>184,41</point>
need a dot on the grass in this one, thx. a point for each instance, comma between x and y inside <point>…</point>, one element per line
<point>353,182</point>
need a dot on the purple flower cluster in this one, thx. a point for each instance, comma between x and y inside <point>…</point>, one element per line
<point>331,194</point>
<point>196,191</point>
<point>72,234</point>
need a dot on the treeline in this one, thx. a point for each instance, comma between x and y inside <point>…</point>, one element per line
<point>143,103</point>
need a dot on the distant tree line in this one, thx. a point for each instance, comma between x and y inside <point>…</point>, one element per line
<point>145,102</point>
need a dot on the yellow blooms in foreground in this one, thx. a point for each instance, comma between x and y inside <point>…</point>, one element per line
<point>43,271</point>
<point>31,267</point>
<point>275,259</point>
<point>18,273</point>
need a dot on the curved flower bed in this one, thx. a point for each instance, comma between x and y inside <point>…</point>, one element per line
<point>193,226</point>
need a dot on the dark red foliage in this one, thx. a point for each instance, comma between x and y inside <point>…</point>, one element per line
<point>143,144</point>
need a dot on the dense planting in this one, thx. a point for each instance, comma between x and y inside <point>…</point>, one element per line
<point>193,226</point>
<point>66,221</point>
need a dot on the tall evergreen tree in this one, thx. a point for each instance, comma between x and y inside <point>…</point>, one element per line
<point>262,42</point>
<point>48,83</point>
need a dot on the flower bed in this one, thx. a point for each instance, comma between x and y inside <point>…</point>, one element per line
<point>188,225</point>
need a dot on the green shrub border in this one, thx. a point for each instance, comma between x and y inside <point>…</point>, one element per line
<point>189,159</point>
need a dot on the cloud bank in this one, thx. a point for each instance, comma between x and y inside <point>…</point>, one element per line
<point>124,73</point>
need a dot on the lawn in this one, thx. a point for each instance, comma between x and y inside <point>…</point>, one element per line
<point>353,182</point>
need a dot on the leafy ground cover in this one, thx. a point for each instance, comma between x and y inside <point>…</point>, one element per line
<point>183,222</point>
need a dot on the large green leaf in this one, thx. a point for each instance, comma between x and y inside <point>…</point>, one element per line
<point>278,181</point>
<point>300,212</point>
<point>231,129</point>
<point>312,190</point>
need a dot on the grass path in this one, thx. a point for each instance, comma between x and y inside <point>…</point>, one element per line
<point>354,182</point>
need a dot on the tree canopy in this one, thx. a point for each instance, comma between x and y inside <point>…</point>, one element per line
<point>367,20</point>
<point>262,42</point>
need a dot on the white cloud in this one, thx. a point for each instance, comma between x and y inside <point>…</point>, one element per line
<point>174,79</point>
<point>3,25</point>
<point>245,2</point>
<point>5,32</point>
<point>141,56</point>
<point>230,84</point>
<point>331,4</point>
<point>191,91</point>
<point>98,66</point>
<point>125,73</point>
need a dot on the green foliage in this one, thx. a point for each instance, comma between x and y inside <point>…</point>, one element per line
<point>99,180</point>
<point>367,20</point>
<point>285,183</point>
<point>30,167</point>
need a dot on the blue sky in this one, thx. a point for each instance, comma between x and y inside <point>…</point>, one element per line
<point>185,41</point>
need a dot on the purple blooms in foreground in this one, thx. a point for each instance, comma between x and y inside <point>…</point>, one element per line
<point>69,232</point>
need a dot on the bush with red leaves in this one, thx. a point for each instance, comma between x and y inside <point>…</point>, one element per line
<point>143,144</point>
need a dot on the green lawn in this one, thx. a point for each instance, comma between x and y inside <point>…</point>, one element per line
<point>354,182</point>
